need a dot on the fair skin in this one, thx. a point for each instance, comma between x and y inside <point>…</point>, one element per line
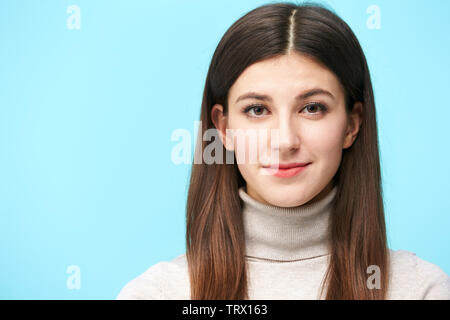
<point>306,134</point>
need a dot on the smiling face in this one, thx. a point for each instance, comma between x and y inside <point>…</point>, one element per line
<point>304,103</point>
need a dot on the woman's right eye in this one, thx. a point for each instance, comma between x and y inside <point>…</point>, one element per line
<point>257,109</point>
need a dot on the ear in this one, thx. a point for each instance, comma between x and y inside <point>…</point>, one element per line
<point>220,122</point>
<point>354,124</point>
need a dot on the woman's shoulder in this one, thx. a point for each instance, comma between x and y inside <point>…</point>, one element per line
<point>163,280</point>
<point>415,278</point>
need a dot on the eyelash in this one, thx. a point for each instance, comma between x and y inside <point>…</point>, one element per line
<point>247,109</point>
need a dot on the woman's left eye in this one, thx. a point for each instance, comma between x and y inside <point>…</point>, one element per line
<point>314,106</point>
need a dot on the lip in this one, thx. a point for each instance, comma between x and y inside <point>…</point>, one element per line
<point>287,165</point>
<point>288,171</point>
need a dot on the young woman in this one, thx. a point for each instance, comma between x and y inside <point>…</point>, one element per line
<point>309,224</point>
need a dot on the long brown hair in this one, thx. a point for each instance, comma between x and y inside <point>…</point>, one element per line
<point>215,241</point>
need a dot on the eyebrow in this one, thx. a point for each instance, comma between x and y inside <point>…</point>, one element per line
<point>302,96</point>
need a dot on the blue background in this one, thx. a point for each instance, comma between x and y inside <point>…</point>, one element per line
<point>86,117</point>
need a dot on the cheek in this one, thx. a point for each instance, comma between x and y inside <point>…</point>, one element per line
<point>325,141</point>
<point>250,142</point>
<point>248,173</point>
<point>250,146</point>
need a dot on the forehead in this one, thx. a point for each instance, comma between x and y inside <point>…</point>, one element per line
<point>286,74</point>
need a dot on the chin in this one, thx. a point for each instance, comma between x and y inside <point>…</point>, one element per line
<point>280,200</point>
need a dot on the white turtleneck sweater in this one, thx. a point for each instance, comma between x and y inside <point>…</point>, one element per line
<point>287,253</point>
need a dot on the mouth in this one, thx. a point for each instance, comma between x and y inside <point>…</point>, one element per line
<point>287,165</point>
<point>286,170</point>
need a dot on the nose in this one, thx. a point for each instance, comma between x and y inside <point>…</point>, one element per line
<point>288,136</point>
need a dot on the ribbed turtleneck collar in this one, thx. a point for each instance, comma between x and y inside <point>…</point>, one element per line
<point>286,234</point>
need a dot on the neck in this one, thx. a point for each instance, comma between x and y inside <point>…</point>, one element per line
<point>287,234</point>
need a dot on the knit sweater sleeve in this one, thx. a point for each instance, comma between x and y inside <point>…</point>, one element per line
<point>418,279</point>
<point>435,282</point>
<point>147,286</point>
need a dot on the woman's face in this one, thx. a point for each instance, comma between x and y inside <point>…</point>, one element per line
<point>311,129</point>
